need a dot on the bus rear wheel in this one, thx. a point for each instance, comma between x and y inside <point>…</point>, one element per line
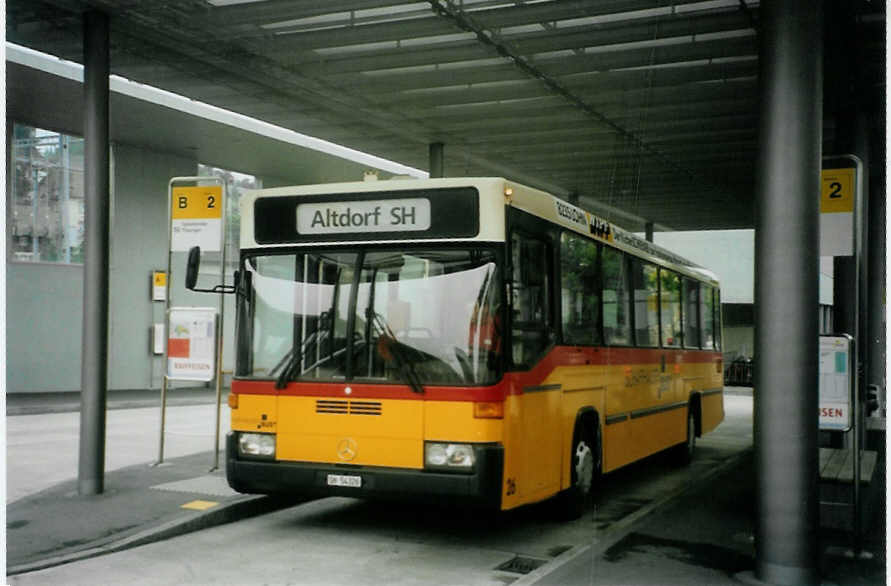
<point>683,453</point>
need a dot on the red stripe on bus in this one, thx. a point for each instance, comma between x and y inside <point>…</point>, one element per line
<point>372,391</point>
<point>512,383</point>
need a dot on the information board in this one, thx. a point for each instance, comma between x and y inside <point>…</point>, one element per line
<point>835,383</point>
<point>196,217</point>
<point>191,343</point>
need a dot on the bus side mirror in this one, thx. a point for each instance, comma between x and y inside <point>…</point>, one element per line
<point>192,275</point>
<point>192,267</point>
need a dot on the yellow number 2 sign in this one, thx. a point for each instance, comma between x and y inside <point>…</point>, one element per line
<point>837,191</point>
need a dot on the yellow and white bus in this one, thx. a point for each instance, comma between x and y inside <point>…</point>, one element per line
<point>468,340</point>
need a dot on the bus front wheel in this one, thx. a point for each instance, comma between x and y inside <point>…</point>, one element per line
<point>584,469</point>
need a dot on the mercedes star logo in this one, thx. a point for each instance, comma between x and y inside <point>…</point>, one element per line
<point>347,449</point>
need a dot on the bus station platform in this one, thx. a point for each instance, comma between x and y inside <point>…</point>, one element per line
<point>700,535</point>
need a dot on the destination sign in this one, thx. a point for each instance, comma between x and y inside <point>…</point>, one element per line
<point>391,215</point>
<point>451,212</point>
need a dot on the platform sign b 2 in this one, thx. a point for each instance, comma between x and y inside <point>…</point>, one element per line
<point>196,216</point>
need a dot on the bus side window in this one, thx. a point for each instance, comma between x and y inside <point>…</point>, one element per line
<point>691,314</point>
<point>616,307</point>
<point>645,283</point>
<point>670,308</point>
<point>530,320</point>
<point>579,291</point>
<point>708,317</point>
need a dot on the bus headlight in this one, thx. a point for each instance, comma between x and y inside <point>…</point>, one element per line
<point>257,445</point>
<point>448,456</point>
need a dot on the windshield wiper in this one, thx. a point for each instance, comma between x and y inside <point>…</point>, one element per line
<point>400,352</point>
<point>294,357</point>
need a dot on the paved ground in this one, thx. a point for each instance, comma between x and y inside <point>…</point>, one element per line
<point>651,524</point>
<point>42,449</point>
<point>706,537</point>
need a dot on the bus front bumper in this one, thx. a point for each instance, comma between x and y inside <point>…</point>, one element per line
<point>481,488</point>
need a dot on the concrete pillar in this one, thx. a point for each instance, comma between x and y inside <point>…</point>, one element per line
<point>787,292</point>
<point>94,371</point>
<point>437,169</point>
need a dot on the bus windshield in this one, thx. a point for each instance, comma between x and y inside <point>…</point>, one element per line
<point>416,317</point>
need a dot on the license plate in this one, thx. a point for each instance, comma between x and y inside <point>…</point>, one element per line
<point>344,480</point>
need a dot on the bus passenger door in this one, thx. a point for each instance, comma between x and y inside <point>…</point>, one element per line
<point>532,335</point>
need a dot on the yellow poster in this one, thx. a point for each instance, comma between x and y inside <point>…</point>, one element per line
<point>159,286</point>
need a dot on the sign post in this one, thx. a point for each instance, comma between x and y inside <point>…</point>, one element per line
<point>194,349</point>
<point>841,234</point>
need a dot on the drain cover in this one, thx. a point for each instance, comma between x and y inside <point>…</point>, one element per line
<point>521,565</point>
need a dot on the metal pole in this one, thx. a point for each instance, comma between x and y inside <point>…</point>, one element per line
<point>164,380</point>
<point>437,168</point>
<point>648,231</point>
<point>35,212</point>
<point>216,443</point>
<point>859,367</point>
<point>94,376</point>
<point>64,144</point>
<point>786,293</point>
<point>163,409</point>
<point>857,423</point>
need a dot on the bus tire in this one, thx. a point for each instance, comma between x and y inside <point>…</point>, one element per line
<point>683,453</point>
<point>584,471</point>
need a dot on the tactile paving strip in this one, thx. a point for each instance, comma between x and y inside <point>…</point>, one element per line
<point>209,484</point>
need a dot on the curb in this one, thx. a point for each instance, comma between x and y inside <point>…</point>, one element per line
<point>242,508</point>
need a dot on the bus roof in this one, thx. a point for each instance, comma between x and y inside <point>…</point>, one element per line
<point>493,194</point>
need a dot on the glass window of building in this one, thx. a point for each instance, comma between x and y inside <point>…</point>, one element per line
<point>47,196</point>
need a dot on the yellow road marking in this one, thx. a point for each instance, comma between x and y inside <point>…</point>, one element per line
<point>199,505</point>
